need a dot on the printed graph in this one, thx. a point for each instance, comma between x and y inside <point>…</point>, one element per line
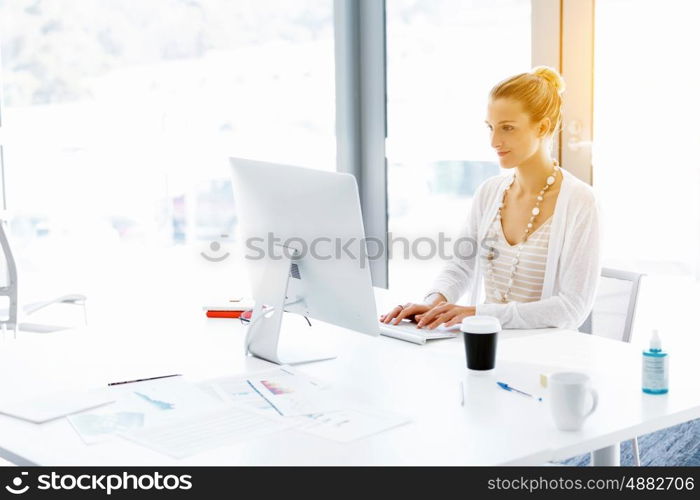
<point>275,388</point>
<point>161,405</point>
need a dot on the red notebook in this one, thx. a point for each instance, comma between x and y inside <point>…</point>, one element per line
<point>233,309</point>
<point>224,314</point>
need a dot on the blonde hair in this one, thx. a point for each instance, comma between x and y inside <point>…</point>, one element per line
<point>539,91</point>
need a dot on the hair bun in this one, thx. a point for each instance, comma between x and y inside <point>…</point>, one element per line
<point>552,76</point>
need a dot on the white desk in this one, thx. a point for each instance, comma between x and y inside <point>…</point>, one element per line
<point>421,382</point>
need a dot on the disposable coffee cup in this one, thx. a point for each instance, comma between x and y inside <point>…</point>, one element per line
<point>480,337</point>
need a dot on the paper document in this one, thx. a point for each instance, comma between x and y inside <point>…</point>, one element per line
<point>141,403</point>
<point>309,402</point>
<point>95,427</point>
<point>240,392</point>
<point>350,424</point>
<point>46,407</point>
<point>181,437</point>
<point>282,390</point>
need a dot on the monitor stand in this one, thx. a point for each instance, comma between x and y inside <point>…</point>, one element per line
<point>263,336</point>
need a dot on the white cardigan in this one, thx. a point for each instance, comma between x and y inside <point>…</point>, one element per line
<point>573,259</point>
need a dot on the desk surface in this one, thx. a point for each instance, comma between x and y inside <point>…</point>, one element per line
<point>420,382</point>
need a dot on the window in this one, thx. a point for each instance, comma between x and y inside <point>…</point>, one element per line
<point>118,122</point>
<point>443,57</point>
<point>645,165</point>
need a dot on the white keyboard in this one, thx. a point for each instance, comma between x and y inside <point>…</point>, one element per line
<point>408,331</point>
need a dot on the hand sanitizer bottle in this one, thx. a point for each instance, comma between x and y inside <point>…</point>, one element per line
<point>655,367</point>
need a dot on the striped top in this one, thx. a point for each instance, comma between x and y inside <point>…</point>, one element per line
<point>576,219</point>
<point>529,274</point>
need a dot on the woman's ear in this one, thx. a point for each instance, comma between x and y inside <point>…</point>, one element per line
<point>543,127</point>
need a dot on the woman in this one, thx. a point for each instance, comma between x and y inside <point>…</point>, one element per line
<point>536,227</point>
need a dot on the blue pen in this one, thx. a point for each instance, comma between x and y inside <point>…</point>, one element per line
<point>506,387</point>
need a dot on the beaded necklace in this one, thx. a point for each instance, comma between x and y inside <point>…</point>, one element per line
<point>534,213</point>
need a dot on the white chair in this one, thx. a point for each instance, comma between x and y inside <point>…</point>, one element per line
<point>10,290</point>
<point>9,318</point>
<point>614,312</point>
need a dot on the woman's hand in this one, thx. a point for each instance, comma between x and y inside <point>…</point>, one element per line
<point>407,311</point>
<point>447,313</point>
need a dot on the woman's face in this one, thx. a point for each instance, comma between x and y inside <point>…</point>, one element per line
<point>513,135</point>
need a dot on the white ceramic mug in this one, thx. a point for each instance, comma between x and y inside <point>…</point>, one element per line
<point>567,395</point>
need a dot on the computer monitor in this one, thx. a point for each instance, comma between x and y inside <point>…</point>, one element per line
<point>305,251</point>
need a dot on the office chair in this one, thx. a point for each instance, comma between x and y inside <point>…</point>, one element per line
<point>10,317</point>
<point>10,290</point>
<point>613,313</point>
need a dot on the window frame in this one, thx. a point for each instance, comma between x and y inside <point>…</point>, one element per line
<point>361,121</point>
